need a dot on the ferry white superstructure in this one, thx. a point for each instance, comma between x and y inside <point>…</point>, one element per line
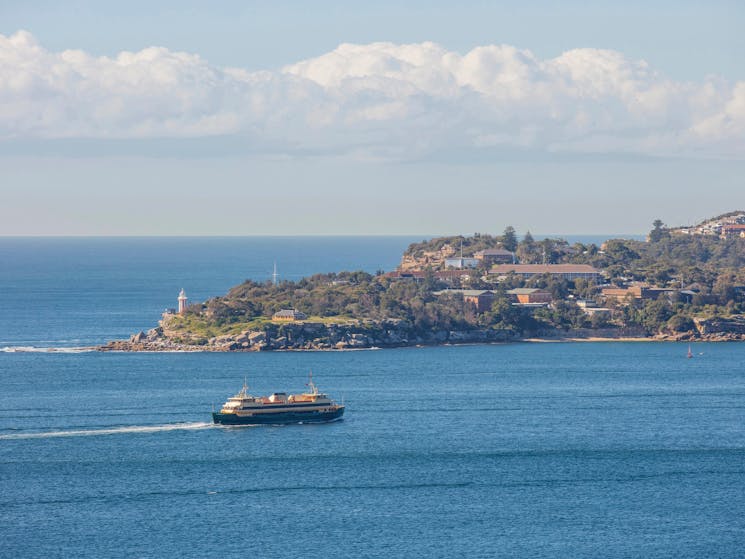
<point>278,408</point>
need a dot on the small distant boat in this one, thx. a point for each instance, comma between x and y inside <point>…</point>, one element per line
<point>279,408</point>
<point>690,353</point>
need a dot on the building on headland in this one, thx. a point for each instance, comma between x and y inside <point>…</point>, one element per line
<point>182,299</point>
<point>564,271</point>
<point>289,315</point>
<point>495,256</point>
<point>645,292</point>
<point>530,295</point>
<point>635,292</point>
<point>482,299</point>
<point>448,276</point>
<point>461,262</point>
<point>182,305</point>
<point>715,226</point>
<point>733,231</point>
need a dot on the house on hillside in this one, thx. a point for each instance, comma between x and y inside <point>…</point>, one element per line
<point>733,231</point>
<point>530,295</point>
<point>482,299</point>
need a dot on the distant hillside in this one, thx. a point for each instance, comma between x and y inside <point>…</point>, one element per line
<point>674,286</point>
<point>736,213</point>
<point>711,226</point>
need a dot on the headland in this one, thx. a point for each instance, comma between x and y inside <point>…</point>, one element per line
<point>680,284</point>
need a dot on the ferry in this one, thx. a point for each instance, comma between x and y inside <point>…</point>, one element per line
<point>279,408</point>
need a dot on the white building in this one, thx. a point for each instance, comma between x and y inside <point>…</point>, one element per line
<point>461,263</point>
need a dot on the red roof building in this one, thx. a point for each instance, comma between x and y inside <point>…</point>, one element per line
<point>732,231</point>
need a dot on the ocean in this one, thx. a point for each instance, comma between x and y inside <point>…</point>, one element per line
<point>513,450</point>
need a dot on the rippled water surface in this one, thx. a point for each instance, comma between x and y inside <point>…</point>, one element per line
<point>518,450</point>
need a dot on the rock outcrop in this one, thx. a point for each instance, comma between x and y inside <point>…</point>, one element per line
<point>311,336</point>
<point>434,259</point>
<point>732,326</point>
<point>392,333</point>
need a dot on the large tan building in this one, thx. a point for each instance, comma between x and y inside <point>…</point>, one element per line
<point>445,275</point>
<point>495,256</point>
<point>635,292</point>
<point>565,271</point>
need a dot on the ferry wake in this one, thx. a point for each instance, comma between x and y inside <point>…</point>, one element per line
<point>279,408</point>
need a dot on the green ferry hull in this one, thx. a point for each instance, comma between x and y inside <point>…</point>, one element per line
<point>279,418</point>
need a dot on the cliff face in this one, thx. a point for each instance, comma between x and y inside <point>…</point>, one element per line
<point>393,333</point>
<point>313,336</point>
<point>732,328</point>
<point>434,259</point>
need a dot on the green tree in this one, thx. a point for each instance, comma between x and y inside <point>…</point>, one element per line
<point>505,314</point>
<point>526,249</point>
<point>681,323</point>
<point>655,314</point>
<point>599,320</point>
<point>658,232</point>
<point>509,239</point>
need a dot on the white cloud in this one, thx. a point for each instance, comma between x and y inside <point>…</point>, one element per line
<point>381,99</point>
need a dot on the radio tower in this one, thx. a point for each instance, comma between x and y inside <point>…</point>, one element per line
<point>275,275</point>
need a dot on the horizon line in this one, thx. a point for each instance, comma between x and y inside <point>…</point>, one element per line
<point>300,235</point>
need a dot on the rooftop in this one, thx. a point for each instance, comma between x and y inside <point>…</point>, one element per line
<point>495,252</point>
<point>544,269</point>
<point>525,291</point>
<point>290,313</point>
<point>465,292</point>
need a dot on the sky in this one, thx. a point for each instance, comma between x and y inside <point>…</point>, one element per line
<point>352,118</point>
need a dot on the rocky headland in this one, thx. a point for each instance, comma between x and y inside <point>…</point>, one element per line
<point>309,336</point>
<point>312,336</point>
<point>675,286</point>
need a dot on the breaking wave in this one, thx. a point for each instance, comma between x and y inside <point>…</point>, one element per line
<point>34,349</point>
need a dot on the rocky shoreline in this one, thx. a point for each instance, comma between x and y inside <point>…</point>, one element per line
<point>310,336</point>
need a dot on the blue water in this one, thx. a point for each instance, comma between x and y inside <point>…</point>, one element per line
<point>517,450</point>
<point>83,291</point>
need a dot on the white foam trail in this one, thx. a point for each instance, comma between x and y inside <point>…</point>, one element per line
<point>112,431</point>
<point>34,349</point>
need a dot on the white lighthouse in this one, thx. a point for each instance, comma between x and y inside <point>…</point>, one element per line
<point>182,298</point>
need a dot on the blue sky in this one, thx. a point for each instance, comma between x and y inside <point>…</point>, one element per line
<point>368,118</point>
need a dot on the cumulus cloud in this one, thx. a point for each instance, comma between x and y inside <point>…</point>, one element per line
<point>380,99</point>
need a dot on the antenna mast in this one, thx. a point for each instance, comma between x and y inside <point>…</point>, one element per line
<point>275,275</point>
<point>311,384</point>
